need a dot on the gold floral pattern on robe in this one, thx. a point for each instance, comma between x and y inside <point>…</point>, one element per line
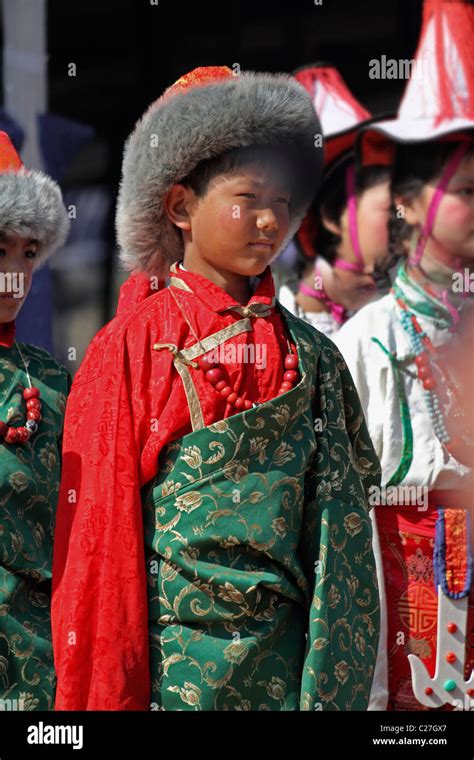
<point>29,484</point>
<point>261,578</point>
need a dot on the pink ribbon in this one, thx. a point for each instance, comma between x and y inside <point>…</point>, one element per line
<point>436,200</point>
<point>337,311</point>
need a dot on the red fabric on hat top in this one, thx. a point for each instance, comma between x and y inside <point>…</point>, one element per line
<point>198,77</point>
<point>458,17</point>
<point>10,161</point>
<point>110,450</point>
<point>333,90</point>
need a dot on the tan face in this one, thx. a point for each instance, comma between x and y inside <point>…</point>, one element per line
<point>239,224</point>
<point>354,289</point>
<point>17,259</point>
<point>452,236</point>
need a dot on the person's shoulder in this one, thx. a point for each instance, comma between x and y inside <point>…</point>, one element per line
<point>318,341</point>
<point>360,338</point>
<point>132,319</point>
<point>105,353</point>
<point>41,356</point>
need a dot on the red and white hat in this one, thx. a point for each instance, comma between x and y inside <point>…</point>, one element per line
<point>340,114</point>
<point>439,97</point>
<point>342,117</point>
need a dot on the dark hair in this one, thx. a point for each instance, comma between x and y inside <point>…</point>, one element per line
<point>332,200</point>
<point>288,156</point>
<point>413,167</point>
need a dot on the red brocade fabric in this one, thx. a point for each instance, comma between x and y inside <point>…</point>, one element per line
<point>407,539</point>
<point>199,77</point>
<point>127,403</point>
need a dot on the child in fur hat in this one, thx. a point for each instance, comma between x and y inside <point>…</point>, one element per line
<point>213,545</point>
<point>33,391</point>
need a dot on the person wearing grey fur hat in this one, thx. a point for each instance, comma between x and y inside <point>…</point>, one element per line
<point>192,566</point>
<point>200,117</point>
<point>33,392</point>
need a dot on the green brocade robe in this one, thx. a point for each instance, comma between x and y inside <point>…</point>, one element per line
<point>262,588</point>
<point>29,484</point>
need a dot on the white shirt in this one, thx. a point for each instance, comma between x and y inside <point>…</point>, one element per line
<point>374,379</point>
<point>321,320</point>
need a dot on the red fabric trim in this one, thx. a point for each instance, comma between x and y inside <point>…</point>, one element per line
<point>456,541</point>
<point>336,146</point>
<point>307,234</point>
<point>7,334</point>
<point>376,149</point>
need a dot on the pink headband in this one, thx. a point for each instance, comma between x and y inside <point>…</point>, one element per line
<point>339,263</point>
<point>343,264</point>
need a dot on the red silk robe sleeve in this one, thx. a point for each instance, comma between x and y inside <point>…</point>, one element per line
<point>127,402</point>
<point>99,605</point>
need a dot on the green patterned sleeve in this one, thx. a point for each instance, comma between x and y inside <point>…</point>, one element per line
<point>336,546</point>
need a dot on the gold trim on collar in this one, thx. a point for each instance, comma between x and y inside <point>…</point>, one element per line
<point>181,284</point>
<point>180,362</point>
<point>183,359</point>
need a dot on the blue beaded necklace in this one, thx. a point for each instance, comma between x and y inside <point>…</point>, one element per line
<point>422,351</point>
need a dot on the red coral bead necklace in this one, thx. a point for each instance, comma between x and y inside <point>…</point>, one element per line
<point>31,395</point>
<point>215,375</point>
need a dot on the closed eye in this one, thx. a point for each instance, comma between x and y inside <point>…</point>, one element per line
<point>252,195</point>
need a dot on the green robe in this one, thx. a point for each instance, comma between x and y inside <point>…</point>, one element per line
<point>261,577</point>
<point>29,483</point>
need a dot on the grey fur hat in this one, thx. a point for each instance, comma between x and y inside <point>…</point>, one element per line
<point>31,203</point>
<point>190,124</point>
